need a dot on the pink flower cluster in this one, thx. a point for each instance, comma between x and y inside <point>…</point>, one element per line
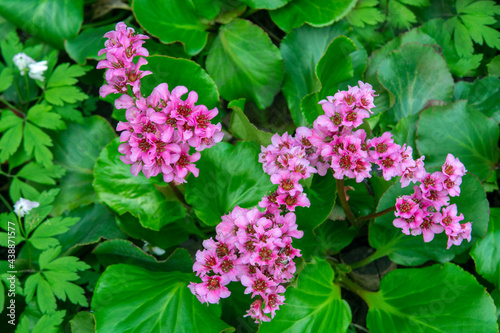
<point>160,128</point>
<point>254,248</point>
<point>427,210</point>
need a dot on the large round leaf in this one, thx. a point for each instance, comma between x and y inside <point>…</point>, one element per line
<point>51,20</point>
<point>301,49</point>
<point>229,176</point>
<point>87,44</point>
<point>483,95</point>
<point>171,21</point>
<point>461,131</point>
<point>95,222</point>
<point>486,251</point>
<point>76,149</point>
<point>411,250</point>
<point>317,13</point>
<point>334,67</point>
<point>174,72</point>
<point>431,299</point>
<point>119,189</point>
<point>314,305</point>
<point>245,64</point>
<point>265,4</point>
<point>414,74</point>
<point>132,299</point>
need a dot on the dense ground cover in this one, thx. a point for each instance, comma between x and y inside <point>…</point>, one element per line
<point>200,112</point>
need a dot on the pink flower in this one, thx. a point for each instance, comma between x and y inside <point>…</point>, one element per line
<point>464,233</point>
<point>211,289</point>
<point>258,284</point>
<point>255,312</point>
<point>453,168</point>
<point>428,228</point>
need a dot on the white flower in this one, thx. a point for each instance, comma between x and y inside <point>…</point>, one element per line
<point>22,61</point>
<point>23,206</point>
<point>158,251</point>
<point>37,69</point>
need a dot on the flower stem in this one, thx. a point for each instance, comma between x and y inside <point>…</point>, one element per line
<point>28,93</point>
<point>352,286</point>
<point>5,202</point>
<point>374,256</point>
<point>14,109</point>
<point>345,205</point>
<point>375,215</point>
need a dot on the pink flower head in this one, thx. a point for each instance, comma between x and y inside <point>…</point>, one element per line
<point>428,228</point>
<point>255,312</point>
<point>464,233</point>
<point>405,207</point>
<point>292,201</point>
<point>274,300</point>
<point>453,168</point>
<point>449,220</point>
<point>211,289</point>
<point>258,284</point>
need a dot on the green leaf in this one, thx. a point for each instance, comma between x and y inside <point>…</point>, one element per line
<point>430,299</point>
<point>94,223</point>
<point>243,129</point>
<point>120,251</point>
<point>69,112</point>
<point>314,305</point>
<point>461,131</point>
<point>170,235</point>
<point>48,323</point>
<point>399,16</point>
<point>172,21</point>
<point>9,120</point>
<point>65,94</point>
<point>41,116</point>
<point>65,75</point>
<point>486,251</point>
<point>412,250</point>
<point>10,46</point>
<point>245,63</point>
<point>322,193</point>
<point>441,31</point>
<point>37,173</point>
<point>301,49</point>
<point>55,281</point>
<point>483,95</point>
<point>334,67</point>
<point>265,4</point>
<point>414,74</point>
<point>365,13</point>
<point>87,44</point>
<point>37,141</point>
<point>12,137</point>
<point>76,149</point>
<point>318,13</point>
<point>83,322</point>
<point>494,67</point>
<point>229,176</point>
<point>173,71</point>
<point>42,237</point>
<point>19,189</point>
<point>117,187</point>
<point>6,78</point>
<point>50,20</point>
<point>127,297</point>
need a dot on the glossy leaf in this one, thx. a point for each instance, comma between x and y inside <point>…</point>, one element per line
<point>172,21</point>
<point>412,250</point>
<point>265,4</point>
<point>245,64</point>
<point>76,149</point>
<point>486,251</point>
<point>131,298</point>
<point>431,299</point>
<point>414,74</point>
<point>173,71</point>
<point>314,305</point>
<point>243,129</point>
<point>95,222</point>
<point>52,20</point>
<point>229,176</point>
<point>461,131</point>
<point>483,95</point>
<point>301,49</point>
<point>334,67</point>
<point>119,189</point>
<point>87,44</point>
<point>83,322</point>
<point>120,251</point>
<point>316,13</point>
